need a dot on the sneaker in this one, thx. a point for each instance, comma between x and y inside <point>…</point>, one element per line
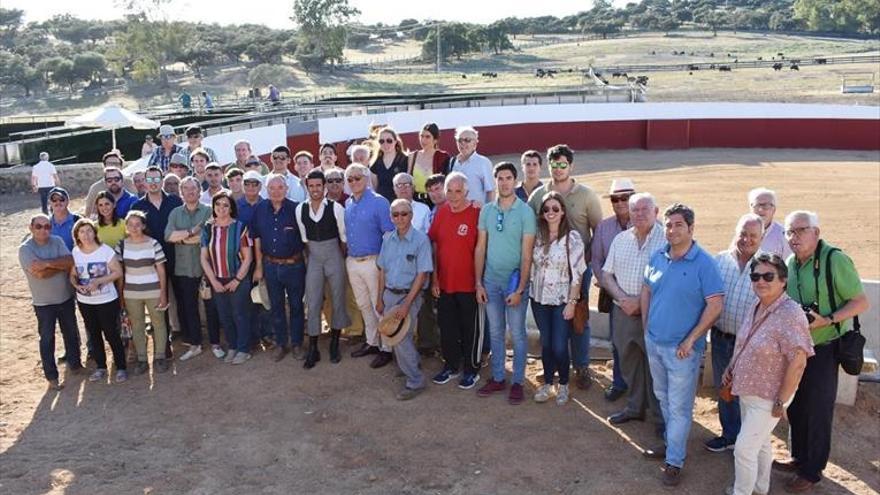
<point>121,376</point>
<point>241,358</point>
<point>719,444</point>
<point>218,351</point>
<point>468,380</point>
<point>543,394</point>
<point>562,395</point>
<point>671,475</point>
<point>516,395</point>
<point>230,356</point>
<point>98,375</point>
<point>491,387</point>
<point>409,393</point>
<point>444,376</point>
<point>141,367</point>
<point>193,351</point>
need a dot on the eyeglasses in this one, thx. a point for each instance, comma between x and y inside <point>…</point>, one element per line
<point>42,226</point>
<point>355,178</point>
<point>558,165</point>
<point>796,232</point>
<point>386,141</point>
<point>334,181</point>
<point>166,137</point>
<point>763,206</point>
<point>112,179</point>
<point>280,157</point>
<point>767,276</point>
<point>499,221</point>
<point>403,185</point>
<point>548,209</point>
<point>464,140</point>
<point>153,180</point>
<point>619,199</point>
<point>397,214</point>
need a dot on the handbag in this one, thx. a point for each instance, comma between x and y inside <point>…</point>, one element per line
<point>725,393</point>
<point>582,307</point>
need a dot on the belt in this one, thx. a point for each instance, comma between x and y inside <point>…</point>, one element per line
<point>296,258</point>
<point>359,259</point>
<point>397,291</point>
<point>723,335</point>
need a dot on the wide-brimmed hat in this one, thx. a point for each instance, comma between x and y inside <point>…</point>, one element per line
<point>166,130</point>
<point>391,329</point>
<point>260,295</point>
<point>621,186</point>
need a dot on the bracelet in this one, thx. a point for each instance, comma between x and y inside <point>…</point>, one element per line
<point>777,403</point>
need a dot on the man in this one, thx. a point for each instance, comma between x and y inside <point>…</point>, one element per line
<point>198,161</point>
<point>280,161</point>
<point>434,185</point>
<point>279,261</point>
<point>327,154</point>
<point>762,202</point>
<point>161,156</point>
<point>234,180</point>
<point>261,323</point>
<point>140,187</point>
<point>811,412</point>
<point>739,300</point>
<point>214,178</point>
<point>185,100</point>
<point>506,235</point>
<point>43,178</point>
<point>184,230</point>
<point>257,165</point>
<point>366,221</point>
<point>62,219</point>
<point>621,274</point>
<point>111,159</point>
<point>209,102</point>
<point>148,147</point>
<point>403,189</point>
<point>179,166</point>
<point>335,185</point>
<point>681,297</point>
<point>303,163</point>
<point>584,212</point>
<point>476,167</point>
<point>274,95</point>
<point>171,185</point>
<point>124,199</point>
<point>454,236</point>
<point>243,155</point>
<point>46,263</point>
<point>404,266</point>
<point>194,137</point>
<point>531,169</point>
<point>322,228</point>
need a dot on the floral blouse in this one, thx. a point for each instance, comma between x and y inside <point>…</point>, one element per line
<point>760,366</point>
<point>550,278</point>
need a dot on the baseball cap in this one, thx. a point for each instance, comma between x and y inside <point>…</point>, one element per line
<point>59,190</point>
<point>179,158</point>
<point>252,175</point>
<point>166,130</point>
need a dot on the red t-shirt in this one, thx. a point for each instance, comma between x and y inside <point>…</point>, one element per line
<point>456,237</point>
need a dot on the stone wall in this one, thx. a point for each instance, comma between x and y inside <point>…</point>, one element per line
<point>75,178</point>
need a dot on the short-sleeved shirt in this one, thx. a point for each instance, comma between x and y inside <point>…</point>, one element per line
<point>139,260</point>
<point>554,270</point>
<point>739,298</point>
<point>44,171</point>
<point>246,210</point>
<point>478,170</point>
<point>94,265</point>
<point>45,291</point>
<point>421,219</point>
<point>403,258</point>
<point>627,260</point>
<point>605,232</point>
<point>774,241</point>
<point>582,208</point>
<point>224,246</point>
<point>186,256</point>
<point>384,175</point>
<point>504,246</point>
<point>366,221</point>
<point>111,234</point>
<point>160,159</point>
<point>802,287</point>
<point>761,364</point>
<point>521,191</point>
<point>455,236</point>
<point>90,209</point>
<point>277,230</point>
<point>64,230</point>
<point>679,290</point>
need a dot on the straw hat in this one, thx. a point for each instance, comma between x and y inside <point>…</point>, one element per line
<point>260,295</point>
<point>392,329</point>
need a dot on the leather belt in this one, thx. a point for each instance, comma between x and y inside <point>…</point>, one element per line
<point>296,258</point>
<point>359,259</point>
<point>724,335</point>
<point>397,291</point>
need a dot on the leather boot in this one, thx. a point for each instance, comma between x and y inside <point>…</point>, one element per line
<point>335,357</point>
<point>314,355</point>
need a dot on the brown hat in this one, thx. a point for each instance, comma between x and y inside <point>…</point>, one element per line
<point>391,329</point>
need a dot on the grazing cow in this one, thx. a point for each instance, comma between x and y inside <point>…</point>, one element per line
<point>777,66</point>
<point>643,80</point>
<point>821,61</point>
<point>540,72</point>
<point>760,58</point>
<point>794,67</point>
<point>464,76</point>
<point>615,75</point>
<point>724,68</point>
<point>711,54</point>
<point>780,54</point>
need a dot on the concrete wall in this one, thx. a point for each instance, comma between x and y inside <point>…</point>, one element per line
<point>75,178</point>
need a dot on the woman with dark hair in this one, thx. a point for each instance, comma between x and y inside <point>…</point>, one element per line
<point>226,260</point>
<point>390,160</point>
<point>557,268</point>
<point>772,347</point>
<point>111,229</point>
<point>427,161</point>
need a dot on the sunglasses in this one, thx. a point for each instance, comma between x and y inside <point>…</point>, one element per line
<point>42,226</point>
<point>334,181</point>
<point>397,214</point>
<point>166,137</point>
<point>386,141</point>
<point>499,222</point>
<point>112,179</point>
<point>619,199</point>
<point>355,179</point>
<point>558,165</point>
<point>280,157</point>
<point>548,209</point>
<point>465,140</point>
<point>153,180</point>
<point>767,276</point>
<point>58,200</point>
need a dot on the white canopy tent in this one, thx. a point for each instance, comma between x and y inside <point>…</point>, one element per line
<point>112,117</point>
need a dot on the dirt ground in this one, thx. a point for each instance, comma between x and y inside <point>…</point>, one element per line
<point>274,428</point>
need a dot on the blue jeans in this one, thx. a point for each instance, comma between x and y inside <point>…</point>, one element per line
<point>580,344</point>
<point>554,341</point>
<point>501,317</point>
<point>675,385</point>
<point>289,279</point>
<point>234,312</point>
<point>65,315</point>
<point>44,199</point>
<point>617,381</point>
<point>728,412</point>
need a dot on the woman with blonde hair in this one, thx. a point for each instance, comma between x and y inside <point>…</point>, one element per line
<point>389,161</point>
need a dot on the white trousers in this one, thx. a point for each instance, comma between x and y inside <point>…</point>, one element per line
<point>753,454</point>
<point>364,279</point>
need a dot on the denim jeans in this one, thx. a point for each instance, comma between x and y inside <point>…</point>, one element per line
<point>580,344</point>
<point>289,279</point>
<point>65,315</point>
<point>728,412</point>
<point>234,312</point>
<point>502,317</point>
<point>554,341</point>
<point>44,199</point>
<point>675,385</point>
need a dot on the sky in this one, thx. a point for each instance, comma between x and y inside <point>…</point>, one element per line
<point>276,13</point>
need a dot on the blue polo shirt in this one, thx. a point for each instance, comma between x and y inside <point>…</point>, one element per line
<point>64,230</point>
<point>124,203</point>
<point>246,210</point>
<point>277,230</point>
<point>402,258</point>
<point>679,289</point>
<point>366,220</point>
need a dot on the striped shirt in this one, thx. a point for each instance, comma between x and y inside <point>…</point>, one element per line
<point>626,260</point>
<point>139,260</point>
<point>739,298</point>
<point>224,246</point>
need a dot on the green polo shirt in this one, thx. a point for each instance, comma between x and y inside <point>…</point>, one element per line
<point>186,256</point>
<point>802,287</point>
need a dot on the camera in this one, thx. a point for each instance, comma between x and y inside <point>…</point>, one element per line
<point>808,308</point>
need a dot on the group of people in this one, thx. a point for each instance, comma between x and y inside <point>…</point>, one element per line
<point>428,249</point>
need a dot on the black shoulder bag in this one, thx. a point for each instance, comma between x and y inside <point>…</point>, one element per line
<point>850,345</point>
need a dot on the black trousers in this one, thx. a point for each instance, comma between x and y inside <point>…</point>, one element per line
<point>456,315</point>
<point>102,322</point>
<point>186,290</point>
<point>811,413</point>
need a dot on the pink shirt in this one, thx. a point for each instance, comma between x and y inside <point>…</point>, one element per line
<point>760,367</point>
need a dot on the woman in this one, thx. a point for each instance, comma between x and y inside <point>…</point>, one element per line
<point>771,351</point>
<point>390,161</point>
<point>557,268</point>
<point>95,269</point>
<point>111,229</point>
<point>144,290</point>
<point>226,259</point>
<point>427,161</point>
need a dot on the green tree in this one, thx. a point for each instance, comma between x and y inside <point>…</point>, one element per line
<point>68,28</point>
<point>65,74</point>
<point>16,70</point>
<point>199,55</point>
<point>455,41</point>
<point>321,30</point>
<point>89,66</point>
<point>495,37</point>
<point>10,21</point>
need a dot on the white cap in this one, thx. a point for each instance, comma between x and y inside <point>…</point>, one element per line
<point>252,175</point>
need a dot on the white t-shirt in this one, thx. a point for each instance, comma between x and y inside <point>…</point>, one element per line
<point>94,265</point>
<point>44,171</point>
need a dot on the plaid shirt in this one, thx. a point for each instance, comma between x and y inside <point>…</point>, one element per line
<point>160,159</point>
<point>627,261</point>
<point>739,298</point>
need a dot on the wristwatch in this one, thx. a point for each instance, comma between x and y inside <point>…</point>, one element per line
<point>777,403</point>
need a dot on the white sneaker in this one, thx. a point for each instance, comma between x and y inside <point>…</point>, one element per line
<point>241,358</point>
<point>229,356</point>
<point>562,395</point>
<point>543,393</point>
<point>218,351</point>
<point>193,351</point>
